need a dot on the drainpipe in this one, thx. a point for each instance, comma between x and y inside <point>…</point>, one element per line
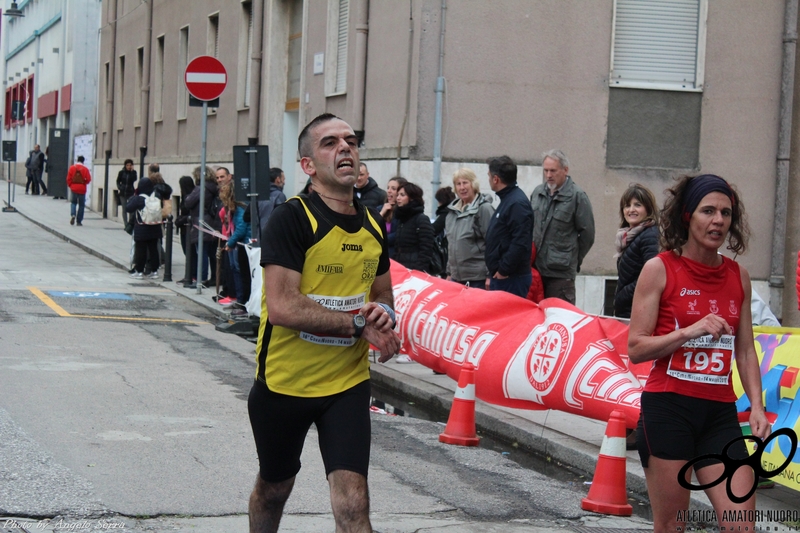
<point>359,85</point>
<point>408,81</point>
<point>777,278</point>
<point>254,113</point>
<point>61,64</point>
<point>109,118</point>
<point>148,49</point>
<point>437,123</point>
<point>36,83</point>
<point>255,108</point>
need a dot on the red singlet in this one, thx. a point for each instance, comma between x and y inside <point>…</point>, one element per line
<point>701,368</point>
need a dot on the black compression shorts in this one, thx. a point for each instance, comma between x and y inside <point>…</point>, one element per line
<point>677,427</point>
<point>280,424</point>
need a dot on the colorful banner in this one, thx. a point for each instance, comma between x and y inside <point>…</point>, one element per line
<point>779,354</point>
<point>527,356</point>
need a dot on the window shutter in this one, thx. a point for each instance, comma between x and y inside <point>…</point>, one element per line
<point>656,42</point>
<point>341,49</point>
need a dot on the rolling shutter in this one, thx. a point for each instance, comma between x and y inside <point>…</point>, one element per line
<point>656,44</point>
<point>341,48</point>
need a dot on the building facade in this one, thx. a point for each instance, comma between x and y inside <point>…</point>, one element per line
<point>50,63</point>
<point>632,90</point>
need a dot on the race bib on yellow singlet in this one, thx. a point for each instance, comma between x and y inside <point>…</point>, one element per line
<point>348,304</point>
<point>703,360</point>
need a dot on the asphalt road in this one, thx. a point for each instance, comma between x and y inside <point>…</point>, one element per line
<point>121,404</point>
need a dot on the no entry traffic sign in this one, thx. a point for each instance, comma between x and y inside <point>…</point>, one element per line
<point>205,78</point>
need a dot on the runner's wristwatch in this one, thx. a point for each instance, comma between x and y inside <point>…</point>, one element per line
<point>359,322</point>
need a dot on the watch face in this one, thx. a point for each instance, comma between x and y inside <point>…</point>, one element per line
<point>359,321</point>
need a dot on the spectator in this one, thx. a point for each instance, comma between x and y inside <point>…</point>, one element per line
<point>192,202</point>
<point>145,236</point>
<point>636,243</point>
<point>466,225</point>
<point>444,197</point>
<point>387,211</point>
<point>78,177</point>
<point>508,239</point>
<point>367,189</point>
<point>126,187</point>
<point>183,222</point>
<point>235,229</point>
<point>35,164</point>
<point>414,236</point>
<point>563,228</point>
<point>277,179</point>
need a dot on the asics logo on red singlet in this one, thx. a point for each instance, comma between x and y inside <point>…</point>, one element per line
<point>690,292</point>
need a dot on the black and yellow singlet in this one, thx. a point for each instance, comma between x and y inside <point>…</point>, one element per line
<point>339,257</point>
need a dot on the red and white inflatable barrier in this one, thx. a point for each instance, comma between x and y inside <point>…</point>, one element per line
<point>527,356</point>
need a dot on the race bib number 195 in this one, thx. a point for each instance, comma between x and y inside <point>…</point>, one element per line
<point>703,360</point>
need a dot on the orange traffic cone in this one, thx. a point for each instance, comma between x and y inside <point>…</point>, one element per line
<point>460,427</point>
<point>608,493</point>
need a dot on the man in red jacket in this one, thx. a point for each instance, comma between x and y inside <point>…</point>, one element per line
<point>78,177</point>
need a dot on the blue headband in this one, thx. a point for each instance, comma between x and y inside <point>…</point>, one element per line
<point>699,187</point>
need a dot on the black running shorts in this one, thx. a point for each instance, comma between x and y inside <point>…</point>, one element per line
<point>677,427</point>
<point>280,424</point>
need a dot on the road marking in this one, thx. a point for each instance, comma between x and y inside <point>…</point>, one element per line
<point>89,294</point>
<point>60,311</point>
<point>48,301</point>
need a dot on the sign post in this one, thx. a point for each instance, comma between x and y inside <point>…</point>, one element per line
<point>205,78</point>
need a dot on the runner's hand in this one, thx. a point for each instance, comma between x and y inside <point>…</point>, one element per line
<point>711,324</point>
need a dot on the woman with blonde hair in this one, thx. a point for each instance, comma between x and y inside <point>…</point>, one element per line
<point>466,224</point>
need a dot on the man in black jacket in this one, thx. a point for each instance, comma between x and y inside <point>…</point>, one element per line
<point>126,186</point>
<point>367,189</point>
<point>510,233</point>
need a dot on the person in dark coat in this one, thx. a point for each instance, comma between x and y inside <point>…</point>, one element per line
<point>192,202</point>
<point>126,186</point>
<point>387,211</point>
<point>509,237</point>
<point>444,196</point>
<point>183,221</point>
<point>145,236</point>
<point>367,190</point>
<point>413,246</point>
<point>636,243</point>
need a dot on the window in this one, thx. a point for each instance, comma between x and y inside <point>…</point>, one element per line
<point>295,57</point>
<point>656,84</point>
<point>119,98</point>
<point>245,55</point>
<point>212,40</point>
<point>158,96</point>
<point>137,96</point>
<point>658,44</point>
<point>183,61</point>
<point>336,64</point>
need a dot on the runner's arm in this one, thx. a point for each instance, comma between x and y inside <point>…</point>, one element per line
<point>747,362</point>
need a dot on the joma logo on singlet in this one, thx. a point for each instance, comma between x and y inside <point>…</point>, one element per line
<point>690,292</point>
<point>352,248</point>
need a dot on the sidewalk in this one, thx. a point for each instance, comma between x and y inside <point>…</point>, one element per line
<point>569,439</point>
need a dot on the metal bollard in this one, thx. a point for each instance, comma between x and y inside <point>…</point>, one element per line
<point>168,251</point>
